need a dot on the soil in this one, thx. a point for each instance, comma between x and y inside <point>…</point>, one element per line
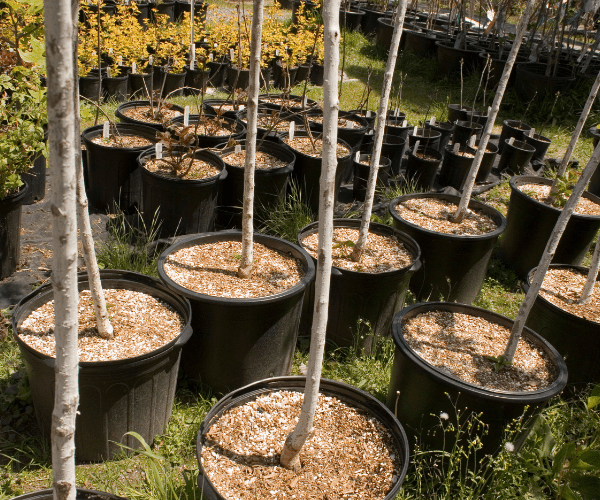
<point>541,192</point>
<point>142,114</point>
<point>211,127</point>
<point>458,344</point>
<point>274,123</point>
<point>141,324</point>
<point>425,157</point>
<point>434,214</point>
<point>303,145</point>
<point>465,154</point>
<point>350,454</point>
<point>562,287</point>
<point>382,253</point>
<point>123,141</point>
<point>211,269</point>
<point>264,161</point>
<point>199,170</point>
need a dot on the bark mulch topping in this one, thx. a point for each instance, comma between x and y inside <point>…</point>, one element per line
<point>304,145</point>
<point>122,141</point>
<point>541,192</point>
<point>264,161</point>
<point>143,114</point>
<point>199,170</point>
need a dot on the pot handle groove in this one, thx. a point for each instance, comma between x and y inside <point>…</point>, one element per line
<point>416,265</point>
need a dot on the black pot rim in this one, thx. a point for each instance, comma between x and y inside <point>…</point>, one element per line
<point>453,199</point>
<point>295,383</point>
<point>47,494</point>
<point>16,197</point>
<point>128,130</point>
<point>421,131</point>
<point>302,133</point>
<point>538,138</point>
<point>516,180</point>
<point>236,235</point>
<point>530,397</point>
<point>522,145</point>
<point>238,125</point>
<point>150,152</point>
<point>46,289</point>
<point>513,124</point>
<point>429,151</point>
<point>445,126</point>
<point>449,46</point>
<point>135,104</point>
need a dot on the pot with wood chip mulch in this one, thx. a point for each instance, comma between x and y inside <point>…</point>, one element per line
<point>572,328</point>
<point>82,494</point>
<point>455,256</point>
<point>140,113</point>
<point>443,371</point>
<point>126,384</point>
<point>358,448</point>
<point>531,219</point>
<point>244,329</point>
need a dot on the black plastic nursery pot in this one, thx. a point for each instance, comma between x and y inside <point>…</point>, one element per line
<point>419,392</point>
<point>111,185</point>
<point>529,224</point>
<point>455,167</point>
<point>165,7</point>
<point>10,231</point>
<point>238,341</point>
<point>423,170</point>
<point>454,266</point>
<point>531,81</point>
<point>487,162</point>
<point>269,184</point>
<point>577,339</point>
<point>540,144</point>
<point>89,87</point>
<point>243,78</point>
<point>347,394</point>
<point>288,102</point>
<point>174,83</point>
<point>368,23</point>
<point>449,59</point>
<point>350,19</point>
<point>82,494</point>
<point>367,115</point>
<point>353,135</point>
<point>196,79</point>
<point>456,112</point>
<point>115,88</point>
<point>512,128</point>
<point>361,175</point>
<point>181,206</point>
<point>515,157</point>
<point>238,131</point>
<point>421,43</point>
<point>427,137</point>
<point>385,32</point>
<point>115,397</point>
<point>220,106</point>
<point>463,130</point>
<point>595,133</point>
<point>136,104</point>
<point>218,73</point>
<point>139,84</point>
<point>445,129</point>
<point>354,296</point>
<point>393,147</point>
<point>35,178</point>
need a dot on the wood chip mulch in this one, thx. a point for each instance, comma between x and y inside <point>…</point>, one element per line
<point>382,254</point>
<point>164,167</point>
<point>141,323</point>
<point>458,344</point>
<point>143,114</point>
<point>264,161</point>
<point>541,192</point>
<point>434,214</point>
<point>304,145</point>
<point>349,456</point>
<point>210,127</point>
<point>211,269</point>
<point>425,157</point>
<point>122,141</point>
<point>562,287</point>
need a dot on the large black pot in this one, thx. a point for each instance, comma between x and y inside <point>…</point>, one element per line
<point>529,224</point>
<point>115,397</point>
<point>134,104</point>
<point>385,32</point>
<point>361,175</point>
<point>421,43</point>
<point>449,59</point>
<point>238,131</point>
<point>420,392</point>
<point>531,81</point>
<point>423,171</point>
<point>82,494</point>
<point>347,394</point>
<point>368,23</point>
<point>350,19</point>
<point>111,184</point>
<point>515,157</point>
<point>239,341</point>
<point>370,297</point>
<point>181,206</point>
<point>115,88</point>
<point>456,112</point>
<point>445,129</point>
<point>10,231</point>
<point>455,167</point>
<point>166,7</point>
<point>512,128</point>
<point>577,339</point>
<point>454,266</point>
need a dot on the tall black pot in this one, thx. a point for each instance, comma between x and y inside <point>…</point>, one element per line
<point>139,85</point>
<point>196,79</point>
<point>361,175</point>
<point>463,130</point>
<point>419,42</point>
<point>445,129</point>
<point>393,147</point>
<point>427,137</point>
<point>115,397</point>
<point>456,112</point>
<point>174,83</point>
<point>115,87</point>
<point>89,87</point>
<point>218,73</point>
<point>515,157</point>
<point>541,145</point>
<point>423,171</point>
<point>10,231</point>
<point>531,81</point>
<point>455,167</point>
<point>487,162</point>
<point>454,266</point>
<point>238,341</point>
<point>350,19</point>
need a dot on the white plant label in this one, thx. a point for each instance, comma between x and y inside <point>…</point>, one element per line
<point>305,102</point>
<point>396,111</point>
<point>133,67</point>
<point>215,45</point>
<point>192,56</point>
<point>368,114</point>
<point>415,130</point>
<point>357,157</point>
<point>150,60</point>
<point>292,129</point>
<point>276,52</point>
<point>120,60</point>
<point>404,123</point>
<point>511,141</point>
<point>238,148</point>
<point>417,144</point>
<point>108,72</point>
<point>532,132</point>
<point>231,54</point>
<point>110,51</point>
<point>106,129</point>
<point>349,124</point>
<point>211,56</point>
<point>432,121</point>
<point>455,148</point>
<point>158,149</point>
<point>472,140</point>
<point>186,116</point>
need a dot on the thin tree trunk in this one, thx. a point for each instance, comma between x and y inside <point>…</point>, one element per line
<point>245,269</point>
<point>588,288</point>
<point>388,78</point>
<point>62,125</point>
<point>538,278</point>
<point>487,132</point>
<point>290,455</point>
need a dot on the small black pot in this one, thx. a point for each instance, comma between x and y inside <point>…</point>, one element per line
<point>423,171</point>
<point>445,129</point>
<point>218,73</point>
<point>487,162</point>
<point>115,88</point>
<point>302,73</point>
<point>243,79</point>
<point>515,157</point>
<point>455,167</point>
<point>529,224</point>
<point>174,83</point>
<point>349,395</point>
<point>361,175</point>
<point>420,392</point>
<point>10,231</point>
<point>317,74</point>
<point>239,341</point>
<point>368,23</point>
<point>184,206</point>
<point>541,145</point>
<point>89,87</point>
<point>196,79</point>
<point>456,112</point>
<point>421,43</point>
<point>463,130</point>
<point>426,137</point>
<point>142,388</point>
<point>284,78</point>
<point>393,147</point>
<point>139,85</point>
<point>512,128</point>
<point>352,136</point>
<point>454,266</point>
<point>134,104</point>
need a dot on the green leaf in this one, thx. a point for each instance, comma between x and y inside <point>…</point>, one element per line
<point>590,459</point>
<point>565,454</point>
<point>586,486</point>
<point>346,243</point>
<point>594,399</point>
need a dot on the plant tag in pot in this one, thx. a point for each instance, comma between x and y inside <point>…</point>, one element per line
<point>349,124</point>
<point>158,149</point>
<point>404,123</point>
<point>110,51</point>
<point>133,68</point>
<point>415,130</point>
<point>238,148</point>
<point>231,54</point>
<point>511,141</point>
<point>211,57</point>
<point>472,140</point>
<point>368,115</point>
<point>292,129</point>
<point>120,60</point>
<point>192,55</point>
<point>432,121</point>
<point>108,71</point>
<point>357,157</point>
<point>456,148</point>
<point>186,116</point>
<point>150,60</point>
<point>276,52</point>
<point>417,144</point>
<point>105,129</point>
<point>215,45</point>
<point>532,132</point>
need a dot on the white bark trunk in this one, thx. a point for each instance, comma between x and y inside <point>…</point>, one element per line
<point>512,56</point>
<point>588,288</point>
<point>62,126</point>
<point>542,267</point>
<point>290,455</point>
<point>388,77</point>
<point>245,269</point>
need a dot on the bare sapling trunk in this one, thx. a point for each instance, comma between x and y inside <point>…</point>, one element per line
<point>487,132</point>
<point>388,78</point>
<point>547,256</point>
<point>290,455</point>
<point>588,287</point>
<point>62,126</point>
<point>245,269</point>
